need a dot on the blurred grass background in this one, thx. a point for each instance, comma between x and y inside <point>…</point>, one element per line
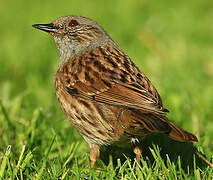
<point>171,42</point>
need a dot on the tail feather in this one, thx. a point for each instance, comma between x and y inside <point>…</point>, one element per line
<point>157,123</point>
<point>180,134</point>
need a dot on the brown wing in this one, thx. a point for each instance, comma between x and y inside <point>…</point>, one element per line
<point>107,75</point>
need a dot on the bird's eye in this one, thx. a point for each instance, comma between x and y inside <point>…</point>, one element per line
<point>73,23</point>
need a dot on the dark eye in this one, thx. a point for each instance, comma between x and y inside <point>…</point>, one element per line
<point>73,23</point>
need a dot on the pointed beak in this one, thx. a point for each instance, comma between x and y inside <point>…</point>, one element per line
<point>46,27</point>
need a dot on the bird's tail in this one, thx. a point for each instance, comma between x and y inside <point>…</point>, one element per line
<point>157,123</point>
<point>180,134</point>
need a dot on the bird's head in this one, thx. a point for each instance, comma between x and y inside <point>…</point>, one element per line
<point>74,34</point>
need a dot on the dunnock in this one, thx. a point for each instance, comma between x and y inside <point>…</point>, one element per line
<point>105,96</point>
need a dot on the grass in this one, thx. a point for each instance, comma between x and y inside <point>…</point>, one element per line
<point>171,41</point>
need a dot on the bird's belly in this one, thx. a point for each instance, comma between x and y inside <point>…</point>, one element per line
<point>98,123</point>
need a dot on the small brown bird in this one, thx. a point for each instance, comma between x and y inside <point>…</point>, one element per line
<point>105,96</point>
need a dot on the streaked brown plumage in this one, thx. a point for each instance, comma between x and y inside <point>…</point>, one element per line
<point>105,96</point>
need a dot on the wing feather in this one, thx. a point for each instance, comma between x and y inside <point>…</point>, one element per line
<point>104,79</point>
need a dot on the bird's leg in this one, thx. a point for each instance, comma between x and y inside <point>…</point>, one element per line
<point>137,150</point>
<point>94,153</point>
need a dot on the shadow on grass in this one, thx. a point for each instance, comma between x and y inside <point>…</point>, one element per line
<point>168,147</point>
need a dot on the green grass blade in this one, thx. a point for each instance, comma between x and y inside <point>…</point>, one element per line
<point>4,111</point>
<point>4,162</point>
<point>19,161</point>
